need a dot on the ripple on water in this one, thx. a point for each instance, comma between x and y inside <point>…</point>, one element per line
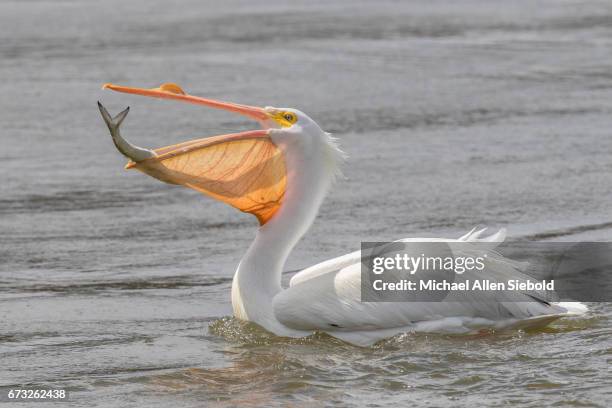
<point>319,366</point>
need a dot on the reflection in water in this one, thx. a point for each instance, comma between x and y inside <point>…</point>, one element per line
<point>263,368</point>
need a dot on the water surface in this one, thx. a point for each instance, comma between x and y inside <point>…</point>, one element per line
<point>453,114</point>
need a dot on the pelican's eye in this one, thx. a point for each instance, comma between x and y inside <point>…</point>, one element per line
<point>285,119</point>
<point>290,117</point>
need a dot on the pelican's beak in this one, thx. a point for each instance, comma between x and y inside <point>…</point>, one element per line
<point>173,91</point>
<point>246,170</point>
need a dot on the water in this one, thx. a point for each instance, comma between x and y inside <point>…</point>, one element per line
<point>454,115</point>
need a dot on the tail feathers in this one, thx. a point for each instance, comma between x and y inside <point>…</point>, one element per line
<point>573,308</point>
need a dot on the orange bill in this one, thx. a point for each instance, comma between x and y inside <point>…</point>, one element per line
<point>174,92</point>
<point>245,170</point>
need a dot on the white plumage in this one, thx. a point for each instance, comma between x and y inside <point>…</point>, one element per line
<point>326,296</point>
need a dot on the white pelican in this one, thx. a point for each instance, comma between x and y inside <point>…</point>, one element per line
<point>281,173</point>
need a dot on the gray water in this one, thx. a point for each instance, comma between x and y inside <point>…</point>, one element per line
<point>454,115</point>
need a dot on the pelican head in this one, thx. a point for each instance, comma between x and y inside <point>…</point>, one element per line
<point>248,170</point>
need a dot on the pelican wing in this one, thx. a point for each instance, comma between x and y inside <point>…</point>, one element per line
<point>336,264</point>
<point>245,170</point>
<point>328,298</point>
<point>323,268</point>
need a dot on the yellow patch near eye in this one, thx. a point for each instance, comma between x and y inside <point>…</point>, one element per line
<point>285,119</point>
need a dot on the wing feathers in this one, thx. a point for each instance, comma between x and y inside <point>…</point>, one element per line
<point>327,297</point>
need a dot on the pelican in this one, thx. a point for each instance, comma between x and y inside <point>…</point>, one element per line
<point>281,173</point>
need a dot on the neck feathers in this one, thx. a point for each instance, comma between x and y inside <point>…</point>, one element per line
<point>312,166</point>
